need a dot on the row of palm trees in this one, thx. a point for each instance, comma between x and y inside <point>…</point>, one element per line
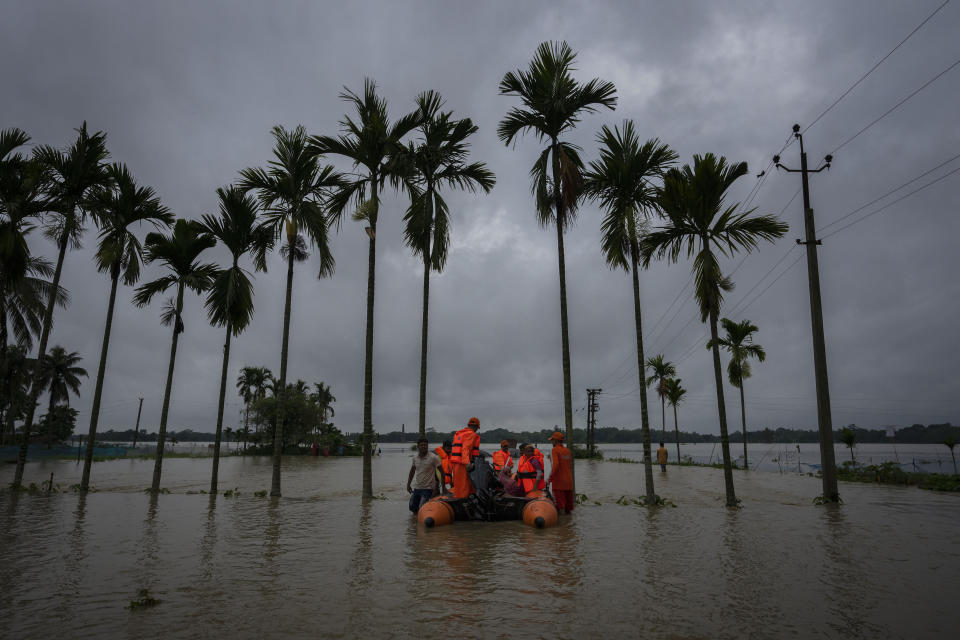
<point>296,199</point>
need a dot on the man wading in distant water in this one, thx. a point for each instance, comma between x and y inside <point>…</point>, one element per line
<point>423,474</point>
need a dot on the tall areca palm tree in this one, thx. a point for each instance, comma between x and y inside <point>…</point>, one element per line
<point>230,300</point>
<point>292,190</point>
<point>371,143</point>
<point>675,393</point>
<point>738,341</point>
<point>437,159</point>
<point>660,371</point>
<point>552,104</point>
<point>698,223</point>
<point>71,176</point>
<point>178,252</point>
<point>117,210</point>
<point>622,182</point>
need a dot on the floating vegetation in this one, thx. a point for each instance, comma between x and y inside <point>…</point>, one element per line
<point>231,493</point>
<point>144,599</point>
<point>624,460</point>
<point>260,494</point>
<point>159,491</point>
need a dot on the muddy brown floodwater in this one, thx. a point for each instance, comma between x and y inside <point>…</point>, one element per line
<point>319,563</point>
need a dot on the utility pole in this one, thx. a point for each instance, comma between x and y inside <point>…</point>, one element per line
<point>824,420</point>
<point>592,407</point>
<point>136,429</point>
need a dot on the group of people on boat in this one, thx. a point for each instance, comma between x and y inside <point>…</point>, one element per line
<point>448,467</point>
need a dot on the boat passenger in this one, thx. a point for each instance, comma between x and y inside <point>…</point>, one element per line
<point>466,446</point>
<point>530,470</point>
<point>502,458</point>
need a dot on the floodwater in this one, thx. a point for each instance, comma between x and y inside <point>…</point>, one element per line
<point>319,563</point>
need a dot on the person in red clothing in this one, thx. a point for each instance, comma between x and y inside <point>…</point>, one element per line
<point>561,473</point>
<point>466,446</point>
<point>502,458</point>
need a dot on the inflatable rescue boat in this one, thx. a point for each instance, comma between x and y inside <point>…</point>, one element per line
<point>490,503</point>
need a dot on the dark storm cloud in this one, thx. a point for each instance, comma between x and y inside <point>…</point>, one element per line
<point>188,92</point>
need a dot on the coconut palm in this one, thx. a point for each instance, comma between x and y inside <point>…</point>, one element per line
<point>660,371</point>
<point>437,159</point>
<point>552,104</point>
<point>371,143</point>
<point>292,190</point>
<point>230,300</point>
<point>675,393</point>
<point>60,375</point>
<point>738,341</point>
<point>117,210</point>
<point>70,176</point>
<point>622,182</point>
<point>178,252</point>
<point>698,223</point>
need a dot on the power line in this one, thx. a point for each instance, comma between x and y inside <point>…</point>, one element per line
<point>895,107</point>
<point>874,67</point>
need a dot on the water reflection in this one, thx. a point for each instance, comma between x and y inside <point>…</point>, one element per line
<point>849,603</point>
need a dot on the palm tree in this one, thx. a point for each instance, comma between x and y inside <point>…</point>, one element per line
<point>292,190</point>
<point>738,341</point>
<point>71,176</point>
<point>621,181</point>
<point>553,103</point>
<point>697,221</point>
<point>116,210</point>
<point>675,393</point>
<point>324,399</point>
<point>437,159</point>
<point>60,375</point>
<point>252,385</point>
<point>951,442</point>
<point>230,301</point>
<point>849,438</point>
<point>178,252</point>
<point>371,143</point>
<point>661,371</point>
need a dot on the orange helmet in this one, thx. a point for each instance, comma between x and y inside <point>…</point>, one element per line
<point>473,422</point>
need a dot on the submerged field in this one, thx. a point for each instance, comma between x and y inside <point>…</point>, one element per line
<point>318,563</point>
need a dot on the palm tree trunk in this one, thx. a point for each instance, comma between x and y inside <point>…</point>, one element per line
<point>721,406</point>
<point>663,412</point>
<point>743,420</point>
<point>282,393</point>
<point>368,364</point>
<point>162,432</point>
<point>423,343</point>
<point>644,416</point>
<point>41,351</point>
<point>676,431</point>
<point>564,330</point>
<point>101,371</point>
<point>223,397</point>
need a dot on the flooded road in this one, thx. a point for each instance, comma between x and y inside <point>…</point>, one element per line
<point>318,563</point>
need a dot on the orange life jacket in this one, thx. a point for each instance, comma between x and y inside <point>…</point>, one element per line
<point>502,460</point>
<point>527,475</point>
<point>445,464</point>
<point>458,455</point>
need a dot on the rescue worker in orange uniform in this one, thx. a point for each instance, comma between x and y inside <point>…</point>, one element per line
<point>466,446</point>
<point>446,469</point>
<point>502,458</point>
<point>561,473</point>
<point>530,470</point>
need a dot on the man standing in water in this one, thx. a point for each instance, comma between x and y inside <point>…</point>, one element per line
<point>561,476</point>
<point>662,454</point>
<point>423,473</point>
<point>466,445</point>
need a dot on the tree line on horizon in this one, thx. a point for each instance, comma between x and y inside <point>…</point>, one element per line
<point>651,210</point>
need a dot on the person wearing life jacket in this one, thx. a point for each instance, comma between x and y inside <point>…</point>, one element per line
<point>445,472</point>
<point>529,470</point>
<point>502,459</point>
<point>561,473</point>
<point>466,446</point>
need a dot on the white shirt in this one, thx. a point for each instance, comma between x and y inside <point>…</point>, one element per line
<point>426,469</point>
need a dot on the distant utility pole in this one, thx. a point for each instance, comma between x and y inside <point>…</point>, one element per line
<point>592,407</point>
<point>824,421</point>
<point>136,429</point>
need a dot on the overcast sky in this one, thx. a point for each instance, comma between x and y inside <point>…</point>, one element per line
<point>188,92</point>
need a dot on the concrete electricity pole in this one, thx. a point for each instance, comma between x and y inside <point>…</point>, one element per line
<point>136,429</point>
<point>824,420</point>
<point>592,407</point>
